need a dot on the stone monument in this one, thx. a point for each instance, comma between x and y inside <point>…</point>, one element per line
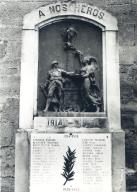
<point>70,136</point>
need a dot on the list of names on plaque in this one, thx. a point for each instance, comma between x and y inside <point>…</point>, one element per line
<point>70,162</point>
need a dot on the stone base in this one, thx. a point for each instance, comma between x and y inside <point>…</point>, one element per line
<point>22,162</point>
<point>118,162</point>
<point>22,167</point>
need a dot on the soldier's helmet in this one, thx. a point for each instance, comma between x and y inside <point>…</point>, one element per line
<point>53,63</point>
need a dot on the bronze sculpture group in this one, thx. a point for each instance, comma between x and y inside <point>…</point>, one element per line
<point>89,91</point>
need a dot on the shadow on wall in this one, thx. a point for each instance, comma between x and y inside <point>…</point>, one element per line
<point>131,160</point>
<point>131,182</point>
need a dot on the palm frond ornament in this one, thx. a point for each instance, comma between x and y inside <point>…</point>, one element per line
<point>69,161</point>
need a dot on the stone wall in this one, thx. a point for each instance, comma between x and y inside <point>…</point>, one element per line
<point>12,12</point>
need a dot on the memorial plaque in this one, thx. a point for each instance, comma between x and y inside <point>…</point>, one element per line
<point>70,162</point>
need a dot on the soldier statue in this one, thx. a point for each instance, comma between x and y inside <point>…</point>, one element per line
<point>53,87</point>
